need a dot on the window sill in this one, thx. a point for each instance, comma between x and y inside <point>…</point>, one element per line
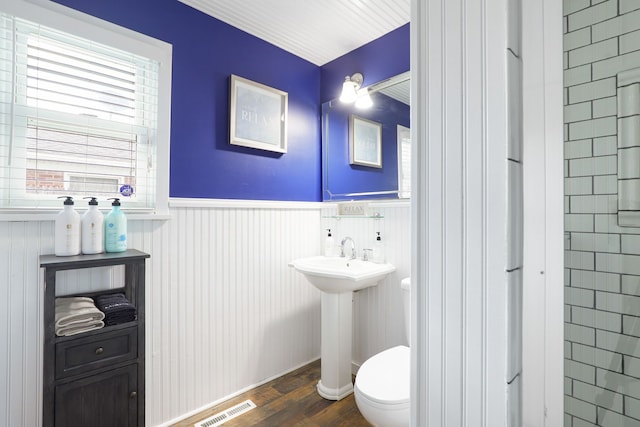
<point>23,216</point>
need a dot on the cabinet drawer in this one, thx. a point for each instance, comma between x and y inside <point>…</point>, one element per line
<point>96,351</point>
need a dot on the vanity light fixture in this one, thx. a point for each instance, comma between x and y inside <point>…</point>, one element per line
<point>350,87</point>
<point>364,100</point>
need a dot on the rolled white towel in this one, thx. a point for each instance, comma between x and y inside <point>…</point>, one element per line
<point>79,311</point>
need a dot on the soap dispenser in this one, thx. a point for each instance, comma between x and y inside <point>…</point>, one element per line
<point>92,229</point>
<point>328,244</point>
<point>378,250</point>
<point>115,229</point>
<point>67,230</point>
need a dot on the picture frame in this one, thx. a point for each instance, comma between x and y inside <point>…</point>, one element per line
<point>365,142</point>
<point>258,115</point>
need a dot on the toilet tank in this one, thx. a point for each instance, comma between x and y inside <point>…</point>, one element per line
<point>405,284</point>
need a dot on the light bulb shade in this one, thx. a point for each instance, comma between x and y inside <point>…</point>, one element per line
<point>349,93</point>
<point>364,100</point>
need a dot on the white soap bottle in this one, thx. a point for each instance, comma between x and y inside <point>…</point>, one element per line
<point>328,244</point>
<point>92,229</point>
<point>67,230</point>
<point>378,250</point>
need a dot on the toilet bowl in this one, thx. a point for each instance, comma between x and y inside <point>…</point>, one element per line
<point>383,381</point>
<point>382,388</point>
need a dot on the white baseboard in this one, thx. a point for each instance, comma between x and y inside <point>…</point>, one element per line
<point>231,396</point>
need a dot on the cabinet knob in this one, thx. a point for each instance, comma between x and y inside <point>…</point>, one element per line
<point>133,395</point>
<point>99,350</point>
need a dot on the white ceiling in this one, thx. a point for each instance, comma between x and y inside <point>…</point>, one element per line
<point>400,91</point>
<point>318,31</point>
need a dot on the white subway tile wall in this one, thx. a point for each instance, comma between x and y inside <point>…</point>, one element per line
<point>611,67</point>
<point>604,107</point>
<point>588,16</point>
<point>605,184</point>
<point>593,52</point>
<point>605,146</point>
<point>578,39</point>
<point>628,97</point>
<point>579,149</point>
<point>627,128</point>
<point>628,6</point>
<point>592,90</point>
<point>577,75</point>
<point>602,259</point>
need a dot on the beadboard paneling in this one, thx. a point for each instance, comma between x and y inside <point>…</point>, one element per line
<point>224,311</point>
<point>303,30</point>
<point>378,311</point>
<point>459,246</point>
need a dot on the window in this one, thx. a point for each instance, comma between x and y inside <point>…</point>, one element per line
<point>404,162</point>
<point>79,116</point>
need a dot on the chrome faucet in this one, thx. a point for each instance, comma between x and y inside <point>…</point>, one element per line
<point>353,247</point>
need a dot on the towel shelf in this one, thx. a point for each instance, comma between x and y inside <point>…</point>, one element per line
<point>100,371</point>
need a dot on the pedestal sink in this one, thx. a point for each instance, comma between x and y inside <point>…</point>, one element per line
<point>337,278</point>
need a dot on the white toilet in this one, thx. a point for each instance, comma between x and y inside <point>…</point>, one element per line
<point>382,384</point>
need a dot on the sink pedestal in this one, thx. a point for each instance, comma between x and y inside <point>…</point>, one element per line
<point>337,278</point>
<point>335,345</point>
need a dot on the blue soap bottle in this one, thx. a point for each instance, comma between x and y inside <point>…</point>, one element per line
<point>115,229</point>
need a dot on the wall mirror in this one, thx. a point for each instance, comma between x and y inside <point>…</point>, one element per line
<point>343,179</point>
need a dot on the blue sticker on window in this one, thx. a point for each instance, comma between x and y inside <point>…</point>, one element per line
<point>126,190</point>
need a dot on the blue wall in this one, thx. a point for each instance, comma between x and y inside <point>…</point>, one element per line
<point>206,52</point>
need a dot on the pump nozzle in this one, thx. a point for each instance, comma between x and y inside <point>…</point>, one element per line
<point>68,200</point>
<point>116,201</point>
<point>92,202</point>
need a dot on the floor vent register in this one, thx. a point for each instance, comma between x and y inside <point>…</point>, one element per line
<point>224,416</point>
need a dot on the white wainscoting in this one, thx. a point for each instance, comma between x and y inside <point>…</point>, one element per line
<point>378,311</point>
<point>224,311</point>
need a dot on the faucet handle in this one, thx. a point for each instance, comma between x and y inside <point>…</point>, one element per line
<point>366,253</point>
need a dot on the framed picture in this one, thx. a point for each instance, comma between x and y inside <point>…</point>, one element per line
<point>365,142</point>
<point>258,115</point>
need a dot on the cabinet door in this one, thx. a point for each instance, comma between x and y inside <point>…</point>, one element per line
<point>108,399</point>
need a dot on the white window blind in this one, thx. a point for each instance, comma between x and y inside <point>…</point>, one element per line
<point>404,162</point>
<point>77,118</point>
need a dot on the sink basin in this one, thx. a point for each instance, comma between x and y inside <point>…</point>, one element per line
<point>338,275</point>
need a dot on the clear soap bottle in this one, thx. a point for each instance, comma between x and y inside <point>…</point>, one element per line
<point>328,244</point>
<point>378,250</point>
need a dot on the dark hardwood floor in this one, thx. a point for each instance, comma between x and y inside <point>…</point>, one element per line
<point>290,400</point>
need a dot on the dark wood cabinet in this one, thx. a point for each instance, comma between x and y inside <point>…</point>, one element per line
<point>108,399</point>
<point>96,378</point>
